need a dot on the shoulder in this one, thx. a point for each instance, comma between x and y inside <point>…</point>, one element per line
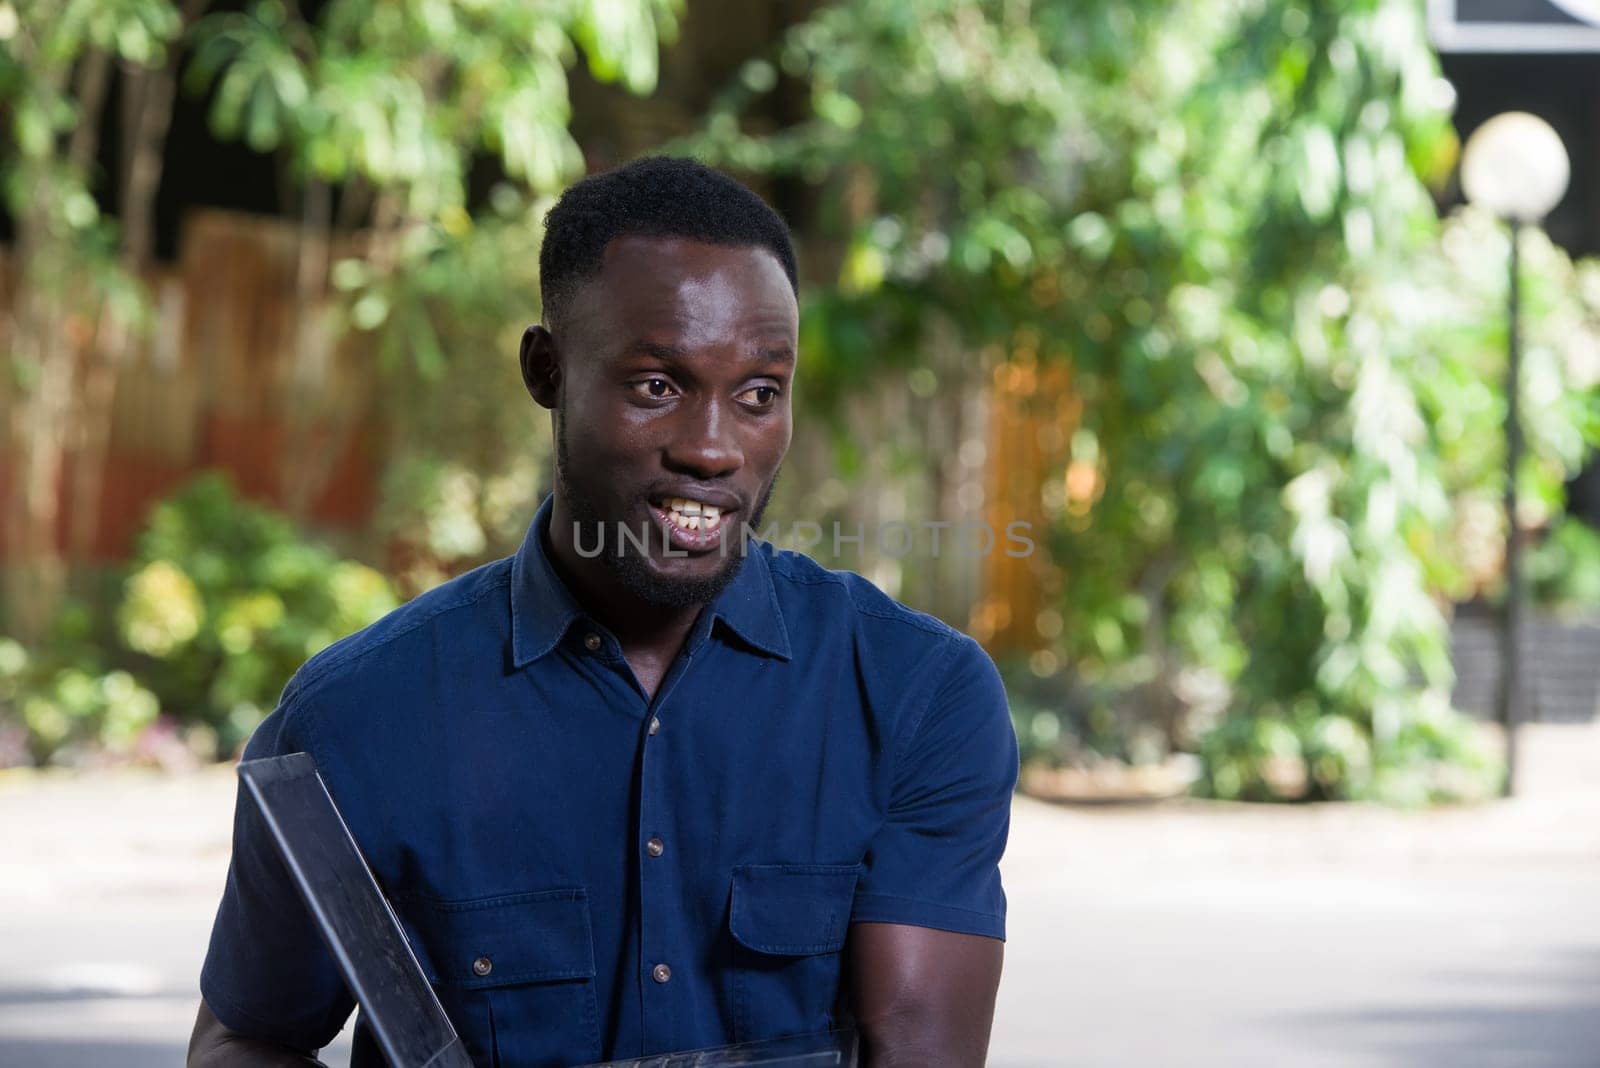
<point>919,655</point>
<point>804,586</point>
<point>467,606</point>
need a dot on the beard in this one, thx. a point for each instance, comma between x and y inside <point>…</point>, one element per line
<point>630,568</point>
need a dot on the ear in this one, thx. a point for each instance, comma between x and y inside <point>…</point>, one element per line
<point>541,366</point>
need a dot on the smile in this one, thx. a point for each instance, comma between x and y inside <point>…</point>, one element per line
<point>691,525</point>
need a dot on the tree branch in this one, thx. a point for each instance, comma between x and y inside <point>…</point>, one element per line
<point>89,89</point>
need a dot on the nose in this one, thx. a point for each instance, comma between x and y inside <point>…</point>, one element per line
<point>705,441</point>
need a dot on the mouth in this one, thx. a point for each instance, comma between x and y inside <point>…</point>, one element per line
<point>691,525</point>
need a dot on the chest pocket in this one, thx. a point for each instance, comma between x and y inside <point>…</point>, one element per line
<point>514,973</point>
<point>788,923</point>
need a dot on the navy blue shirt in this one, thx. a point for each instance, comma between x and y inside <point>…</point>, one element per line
<point>586,873</point>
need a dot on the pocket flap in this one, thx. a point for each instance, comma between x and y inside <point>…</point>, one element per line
<point>792,909</point>
<point>499,941</point>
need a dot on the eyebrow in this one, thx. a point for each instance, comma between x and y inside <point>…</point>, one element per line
<point>675,353</point>
<point>668,353</point>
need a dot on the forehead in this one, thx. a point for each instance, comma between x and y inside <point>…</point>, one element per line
<point>693,293</point>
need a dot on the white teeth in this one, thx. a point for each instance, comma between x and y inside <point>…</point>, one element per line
<point>692,515</point>
<point>689,514</point>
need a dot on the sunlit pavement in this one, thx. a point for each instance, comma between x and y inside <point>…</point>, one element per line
<point>1185,934</point>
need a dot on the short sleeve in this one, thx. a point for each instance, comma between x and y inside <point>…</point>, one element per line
<point>935,861</point>
<point>268,974</point>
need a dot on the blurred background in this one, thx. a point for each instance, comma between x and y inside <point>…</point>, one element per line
<point>1194,288</point>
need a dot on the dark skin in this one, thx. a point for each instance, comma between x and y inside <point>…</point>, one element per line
<point>672,374</point>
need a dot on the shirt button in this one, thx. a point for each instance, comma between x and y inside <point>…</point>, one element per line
<point>661,973</point>
<point>655,847</point>
<point>591,642</point>
<point>655,725</point>
<point>482,966</point>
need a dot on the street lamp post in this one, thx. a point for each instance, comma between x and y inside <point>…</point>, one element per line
<point>1515,166</point>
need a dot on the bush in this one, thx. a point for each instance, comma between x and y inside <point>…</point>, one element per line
<point>1565,568</point>
<point>1430,754</point>
<point>225,601</point>
<point>1062,721</point>
<point>57,711</point>
<point>222,603</point>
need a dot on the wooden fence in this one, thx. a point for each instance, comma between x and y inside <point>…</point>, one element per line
<point>223,380</point>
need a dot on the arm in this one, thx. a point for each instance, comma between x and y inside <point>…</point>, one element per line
<point>272,991</point>
<point>214,1046</point>
<point>923,997</point>
<point>928,923</point>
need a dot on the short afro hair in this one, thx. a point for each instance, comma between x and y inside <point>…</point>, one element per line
<point>657,196</point>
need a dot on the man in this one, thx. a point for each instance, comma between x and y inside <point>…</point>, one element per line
<point>639,788</point>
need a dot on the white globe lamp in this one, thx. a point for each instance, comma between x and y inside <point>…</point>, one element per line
<point>1515,166</point>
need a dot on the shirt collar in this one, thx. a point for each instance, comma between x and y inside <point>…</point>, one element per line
<point>543,609</point>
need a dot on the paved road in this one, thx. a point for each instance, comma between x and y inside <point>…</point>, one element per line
<point>1200,935</point>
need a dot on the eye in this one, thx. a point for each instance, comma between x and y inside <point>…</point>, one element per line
<point>761,396</point>
<point>653,388</point>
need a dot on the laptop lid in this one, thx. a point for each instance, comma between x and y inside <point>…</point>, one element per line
<point>355,920</point>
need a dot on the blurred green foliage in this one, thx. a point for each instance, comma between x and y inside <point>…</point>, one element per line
<point>465,461</point>
<point>1565,568</point>
<point>1218,213</point>
<point>47,186</point>
<point>50,710</point>
<point>393,103</point>
<point>225,600</point>
<point>222,602</point>
<point>400,95</point>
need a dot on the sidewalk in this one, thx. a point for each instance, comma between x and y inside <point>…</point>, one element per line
<point>1340,935</point>
<point>1190,933</point>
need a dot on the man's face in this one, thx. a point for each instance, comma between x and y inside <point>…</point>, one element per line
<point>674,416</point>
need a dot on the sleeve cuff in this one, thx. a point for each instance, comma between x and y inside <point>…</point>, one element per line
<point>306,1034</point>
<point>887,908</point>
